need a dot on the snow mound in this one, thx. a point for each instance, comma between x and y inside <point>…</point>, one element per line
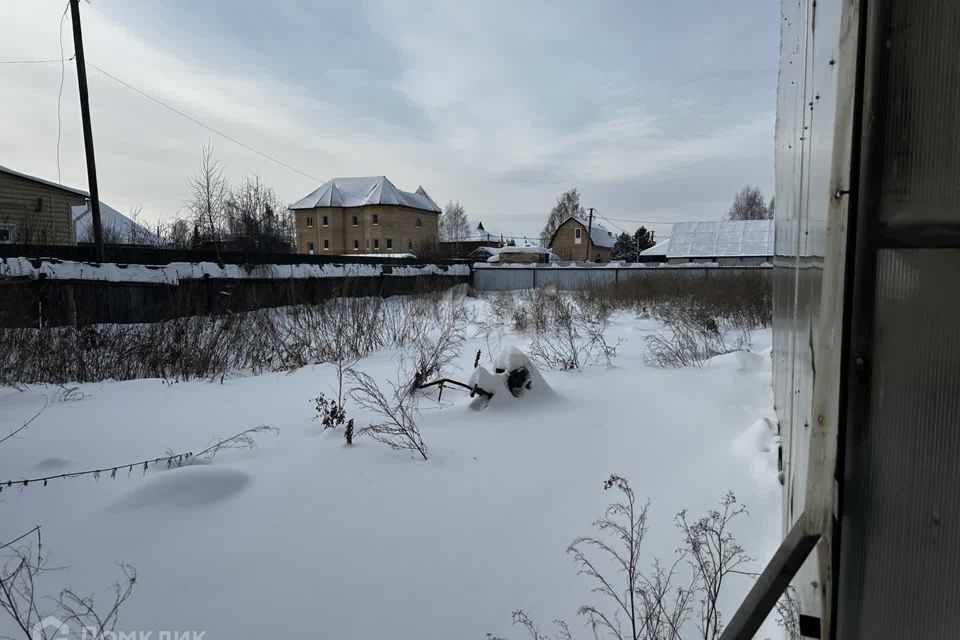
<point>757,447</point>
<point>515,378</point>
<point>751,361</point>
<point>192,486</point>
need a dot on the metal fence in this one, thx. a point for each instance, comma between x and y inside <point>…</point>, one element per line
<point>578,276</point>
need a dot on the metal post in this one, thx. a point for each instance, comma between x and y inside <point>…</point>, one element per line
<point>87,130</point>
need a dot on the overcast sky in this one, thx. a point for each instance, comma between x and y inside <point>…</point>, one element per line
<point>654,110</point>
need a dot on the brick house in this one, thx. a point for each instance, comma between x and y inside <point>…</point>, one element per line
<point>362,216</point>
<point>572,242</point>
<point>36,211</point>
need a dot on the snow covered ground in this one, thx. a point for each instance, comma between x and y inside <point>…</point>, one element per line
<point>305,537</point>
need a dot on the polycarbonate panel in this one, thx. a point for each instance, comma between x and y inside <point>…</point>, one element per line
<point>920,146</point>
<point>901,523</point>
<point>723,238</point>
<point>805,157</point>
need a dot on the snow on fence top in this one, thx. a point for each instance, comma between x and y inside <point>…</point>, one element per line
<point>175,271</point>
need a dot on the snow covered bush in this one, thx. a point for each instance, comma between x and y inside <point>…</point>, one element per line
<point>668,601</point>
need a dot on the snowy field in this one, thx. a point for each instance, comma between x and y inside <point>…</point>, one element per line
<point>305,537</point>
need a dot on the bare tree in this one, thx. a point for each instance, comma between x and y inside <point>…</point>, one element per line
<point>567,205</point>
<point>453,224</point>
<point>179,232</point>
<point>256,215</point>
<point>137,232</point>
<point>208,195</point>
<point>749,204</point>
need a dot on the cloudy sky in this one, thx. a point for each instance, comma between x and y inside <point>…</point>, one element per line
<point>656,111</point>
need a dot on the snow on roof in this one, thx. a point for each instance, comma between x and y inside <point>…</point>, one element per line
<point>721,238</point>
<point>497,252</point>
<point>659,249</point>
<point>541,250</point>
<point>599,234</point>
<point>388,256</point>
<point>125,230</point>
<point>359,192</point>
<point>7,170</point>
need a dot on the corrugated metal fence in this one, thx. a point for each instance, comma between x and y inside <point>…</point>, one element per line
<point>515,277</point>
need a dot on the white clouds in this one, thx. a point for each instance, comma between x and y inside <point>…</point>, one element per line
<point>484,78</point>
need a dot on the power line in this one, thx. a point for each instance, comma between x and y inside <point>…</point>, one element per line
<point>60,94</point>
<point>28,61</point>
<point>203,124</point>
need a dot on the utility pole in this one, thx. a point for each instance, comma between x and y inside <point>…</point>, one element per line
<point>589,232</point>
<point>87,131</point>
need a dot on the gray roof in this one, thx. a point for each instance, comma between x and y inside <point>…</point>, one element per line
<point>716,239</point>
<point>359,192</point>
<point>125,229</point>
<point>659,249</point>
<point>7,170</point>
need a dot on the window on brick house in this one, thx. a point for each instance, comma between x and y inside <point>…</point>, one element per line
<point>356,245</point>
<point>326,245</point>
<point>376,219</point>
<point>376,244</point>
<point>419,223</point>
<point>577,235</point>
<point>389,243</point>
<point>310,247</point>
<point>326,221</point>
<point>309,222</point>
<point>356,221</point>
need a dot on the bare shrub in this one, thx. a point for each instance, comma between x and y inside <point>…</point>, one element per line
<point>788,614</point>
<point>660,603</point>
<point>714,554</point>
<point>396,410</point>
<point>434,350</point>
<point>570,336</point>
<point>693,336</point>
<point>23,565</point>
<point>244,440</point>
<point>338,331</point>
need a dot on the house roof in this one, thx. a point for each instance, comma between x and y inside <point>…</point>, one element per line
<point>502,251</point>
<point>600,235</point>
<point>721,238</point>
<point>111,219</point>
<point>481,234</point>
<point>54,185</point>
<point>659,249</point>
<point>360,192</point>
